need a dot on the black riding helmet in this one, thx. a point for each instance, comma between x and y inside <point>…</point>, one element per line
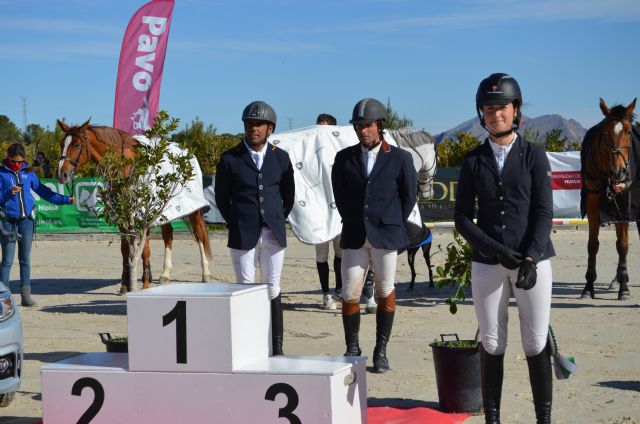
<point>499,89</point>
<point>367,111</point>
<point>259,111</point>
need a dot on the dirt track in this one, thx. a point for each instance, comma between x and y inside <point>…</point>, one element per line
<point>75,281</point>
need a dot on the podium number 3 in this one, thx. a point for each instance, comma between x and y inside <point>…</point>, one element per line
<point>292,401</point>
<point>98,398</point>
<point>179,315</point>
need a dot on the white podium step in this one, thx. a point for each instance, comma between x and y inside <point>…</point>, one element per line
<point>195,327</point>
<point>99,388</point>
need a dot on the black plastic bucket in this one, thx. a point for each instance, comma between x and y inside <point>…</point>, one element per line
<point>457,376</point>
<point>114,345</point>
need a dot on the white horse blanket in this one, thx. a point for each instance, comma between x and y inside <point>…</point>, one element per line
<point>186,199</point>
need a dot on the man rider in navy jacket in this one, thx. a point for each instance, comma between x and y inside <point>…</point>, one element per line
<point>254,192</point>
<point>374,185</point>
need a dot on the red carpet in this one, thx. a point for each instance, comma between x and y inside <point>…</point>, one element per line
<point>417,415</point>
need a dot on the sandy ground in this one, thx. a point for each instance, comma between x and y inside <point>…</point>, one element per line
<point>74,282</point>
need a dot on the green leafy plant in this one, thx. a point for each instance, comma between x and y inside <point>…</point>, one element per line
<point>456,270</point>
<point>137,191</point>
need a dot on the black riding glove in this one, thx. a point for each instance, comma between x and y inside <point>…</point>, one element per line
<point>527,275</point>
<point>509,258</point>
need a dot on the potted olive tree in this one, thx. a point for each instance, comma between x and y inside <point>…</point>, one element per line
<point>457,362</point>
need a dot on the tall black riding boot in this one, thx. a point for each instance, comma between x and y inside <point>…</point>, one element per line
<point>384,323</point>
<point>323,275</point>
<point>27,300</point>
<point>276,326</point>
<point>491,373</point>
<point>351,323</point>
<point>541,384</point>
<point>337,268</point>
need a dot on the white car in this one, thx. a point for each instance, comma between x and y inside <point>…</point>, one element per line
<point>11,347</point>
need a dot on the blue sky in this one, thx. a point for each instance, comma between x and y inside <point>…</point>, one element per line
<point>307,57</point>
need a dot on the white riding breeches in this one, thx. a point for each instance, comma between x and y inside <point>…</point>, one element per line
<point>322,249</point>
<point>268,255</point>
<point>354,265</point>
<point>492,287</point>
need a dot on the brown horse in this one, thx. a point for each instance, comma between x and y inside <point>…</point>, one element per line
<point>88,144</point>
<point>606,163</point>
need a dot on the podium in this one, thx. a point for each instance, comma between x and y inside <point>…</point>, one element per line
<point>200,353</point>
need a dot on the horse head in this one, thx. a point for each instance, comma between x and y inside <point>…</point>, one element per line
<point>616,142</point>
<point>74,150</point>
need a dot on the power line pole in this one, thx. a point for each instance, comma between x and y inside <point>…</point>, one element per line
<point>24,113</point>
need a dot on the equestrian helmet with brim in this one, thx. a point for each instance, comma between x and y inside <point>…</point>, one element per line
<point>259,111</point>
<point>499,89</point>
<point>367,111</point>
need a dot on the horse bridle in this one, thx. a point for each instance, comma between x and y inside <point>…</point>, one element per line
<point>612,153</point>
<point>84,145</point>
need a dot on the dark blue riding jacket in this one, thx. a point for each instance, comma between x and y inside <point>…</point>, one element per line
<point>514,209</point>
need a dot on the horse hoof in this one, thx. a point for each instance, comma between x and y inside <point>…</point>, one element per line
<point>624,296</point>
<point>207,279</point>
<point>123,290</point>
<point>146,285</point>
<point>163,280</point>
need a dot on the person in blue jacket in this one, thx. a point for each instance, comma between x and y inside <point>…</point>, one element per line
<point>506,184</point>
<point>17,180</point>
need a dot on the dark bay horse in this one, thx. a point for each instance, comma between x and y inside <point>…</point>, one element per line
<point>88,144</point>
<point>607,151</point>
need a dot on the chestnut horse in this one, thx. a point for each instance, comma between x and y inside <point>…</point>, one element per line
<point>88,144</point>
<point>607,150</point>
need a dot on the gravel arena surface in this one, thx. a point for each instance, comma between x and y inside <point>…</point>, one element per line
<point>75,280</point>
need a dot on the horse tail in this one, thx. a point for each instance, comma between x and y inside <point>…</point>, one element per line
<point>198,228</point>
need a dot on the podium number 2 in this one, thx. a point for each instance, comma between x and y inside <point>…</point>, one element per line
<point>179,315</point>
<point>292,401</point>
<point>98,398</point>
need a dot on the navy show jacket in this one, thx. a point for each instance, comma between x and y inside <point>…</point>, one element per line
<point>375,207</point>
<point>249,199</point>
<point>515,209</point>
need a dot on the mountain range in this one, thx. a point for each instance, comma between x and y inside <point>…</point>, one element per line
<point>570,128</point>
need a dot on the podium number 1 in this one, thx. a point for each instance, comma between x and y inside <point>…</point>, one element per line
<point>179,315</point>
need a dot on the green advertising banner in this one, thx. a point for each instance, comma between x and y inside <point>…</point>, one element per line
<point>80,217</point>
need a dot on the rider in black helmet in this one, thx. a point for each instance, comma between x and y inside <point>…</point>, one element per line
<point>255,190</point>
<point>374,185</point>
<point>506,184</point>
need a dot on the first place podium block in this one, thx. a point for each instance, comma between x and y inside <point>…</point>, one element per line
<point>198,327</point>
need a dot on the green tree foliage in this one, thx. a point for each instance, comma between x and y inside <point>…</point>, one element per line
<point>38,139</point>
<point>9,133</point>
<point>393,118</point>
<point>456,270</point>
<point>205,144</point>
<point>450,152</point>
<point>136,191</point>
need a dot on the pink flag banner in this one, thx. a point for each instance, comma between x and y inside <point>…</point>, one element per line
<point>140,68</point>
